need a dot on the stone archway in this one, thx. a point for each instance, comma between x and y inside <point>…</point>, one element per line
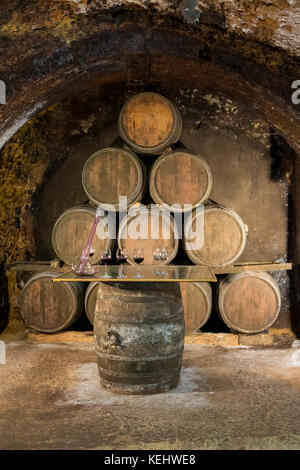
<point>49,55</point>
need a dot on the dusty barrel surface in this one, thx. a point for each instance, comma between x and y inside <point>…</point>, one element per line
<point>71,232</point>
<point>155,228</point>
<point>222,232</point>
<point>197,301</point>
<point>139,330</point>
<point>180,177</point>
<point>111,173</point>
<point>50,306</point>
<point>249,302</point>
<point>149,122</point>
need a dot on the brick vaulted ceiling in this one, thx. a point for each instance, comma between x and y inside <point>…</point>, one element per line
<point>247,50</point>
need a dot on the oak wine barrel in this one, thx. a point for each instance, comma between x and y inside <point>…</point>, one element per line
<point>49,306</point>
<point>180,177</point>
<point>111,173</point>
<point>224,236</point>
<point>156,229</point>
<point>90,300</point>
<point>196,301</point>
<point>249,302</point>
<point>139,331</point>
<point>149,122</point>
<point>71,232</point>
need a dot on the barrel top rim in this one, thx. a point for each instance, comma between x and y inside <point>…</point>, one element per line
<point>112,149</point>
<point>40,275</point>
<point>214,208</point>
<point>77,208</point>
<point>263,276</point>
<point>223,209</point>
<point>249,273</point>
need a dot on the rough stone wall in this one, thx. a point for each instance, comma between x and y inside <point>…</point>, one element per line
<point>24,163</point>
<point>41,151</point>
<point>48,47</point>
<point>42,166</point>
<point>248,50</point>
<point>274,22</point>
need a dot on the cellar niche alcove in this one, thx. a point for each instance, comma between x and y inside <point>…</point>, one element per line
<point>236,113</point>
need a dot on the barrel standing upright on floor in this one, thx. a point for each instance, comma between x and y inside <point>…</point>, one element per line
<point>139,330</point>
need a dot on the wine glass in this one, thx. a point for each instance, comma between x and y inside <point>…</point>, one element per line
<point>138,258</point>
<point>165,254</point>
<point>156,256</point>
<point>121,258</point>
<point>106,259</point>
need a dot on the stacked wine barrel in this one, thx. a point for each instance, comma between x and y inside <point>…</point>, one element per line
<point>179,181</point>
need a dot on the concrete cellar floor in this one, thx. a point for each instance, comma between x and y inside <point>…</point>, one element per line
<point>228,398</point>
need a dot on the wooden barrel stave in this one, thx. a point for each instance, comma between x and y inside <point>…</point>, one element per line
<point>149,123</point>
<point>71,231</point>
<point>49,306</point>
<point>180,177</point>
<point>197,302</point>
<point>249,302</point>
<point>139,330</point>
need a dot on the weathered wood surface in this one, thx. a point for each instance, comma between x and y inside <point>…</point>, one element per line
<point>224,236</point>
<point>90,300</point>
<point>241,267</point>
<point>196,301</point>
<point>71,232</point>
<point>180,177</point>
<point>149,122</point>
<point>139,332</point>
<point>152,223</point>
<point>249,302</point>
<point>111,173</point>
<point>50,307</point>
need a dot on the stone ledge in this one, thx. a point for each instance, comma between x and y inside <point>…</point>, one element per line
<point>260,339</point>
<point>213,339</point>
<point>62,337</point>
<point>209,339</point>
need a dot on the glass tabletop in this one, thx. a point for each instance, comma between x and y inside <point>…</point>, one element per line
<point>172,274</point>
